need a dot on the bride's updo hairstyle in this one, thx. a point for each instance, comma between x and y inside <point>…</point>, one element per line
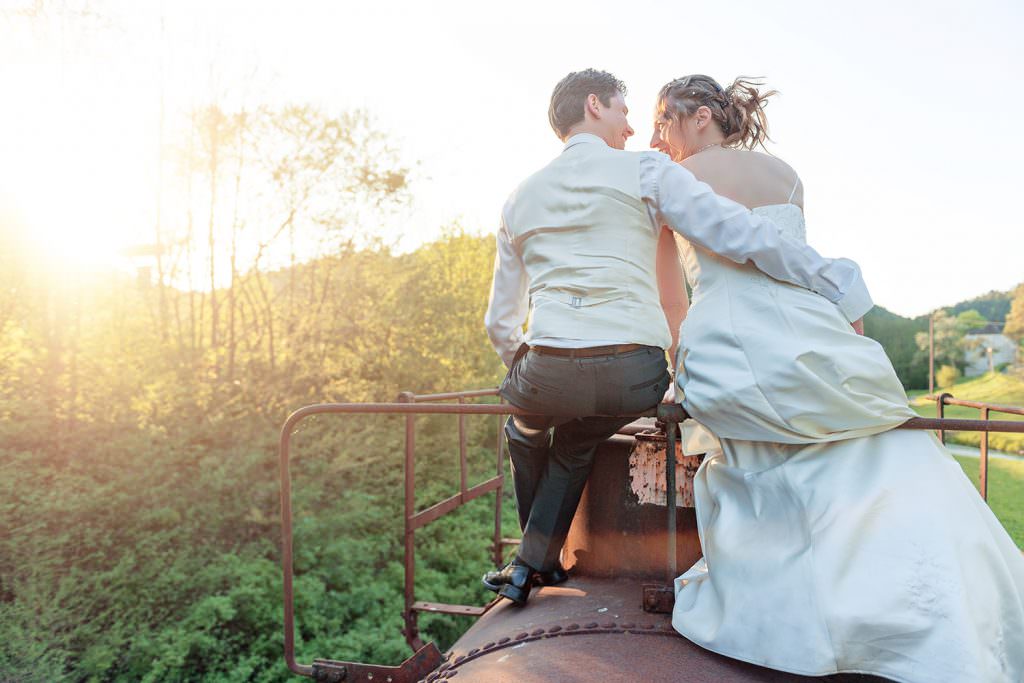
<point>738,109</point>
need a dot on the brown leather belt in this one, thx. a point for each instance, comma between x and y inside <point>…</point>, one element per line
<point>590,351</point>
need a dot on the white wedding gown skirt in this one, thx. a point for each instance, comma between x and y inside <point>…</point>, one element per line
<point>832,543</point>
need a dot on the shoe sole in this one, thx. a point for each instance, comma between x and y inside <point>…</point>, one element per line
<point>537,581</point>
<point>515,593</point>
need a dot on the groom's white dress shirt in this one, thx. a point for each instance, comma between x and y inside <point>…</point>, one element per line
<point>577,243</point>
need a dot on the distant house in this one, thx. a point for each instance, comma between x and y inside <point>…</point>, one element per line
<point>1003,350</point>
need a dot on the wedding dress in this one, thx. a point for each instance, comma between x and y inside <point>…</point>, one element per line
<point>832,543</point>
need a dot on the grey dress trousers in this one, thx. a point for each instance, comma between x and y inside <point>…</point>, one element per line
<point>575,401</point>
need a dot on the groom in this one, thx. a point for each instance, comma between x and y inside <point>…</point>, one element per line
<point>576,256</point>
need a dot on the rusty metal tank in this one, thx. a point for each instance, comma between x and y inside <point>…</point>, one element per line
<point>611,621</point>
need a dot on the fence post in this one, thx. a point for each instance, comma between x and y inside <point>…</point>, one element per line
<point>983,460</point>
<point>411,630</point>
<point>670,496</point>
<point>940,412</point>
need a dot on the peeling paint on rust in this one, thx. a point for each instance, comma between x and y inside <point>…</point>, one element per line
<point>647,473</point>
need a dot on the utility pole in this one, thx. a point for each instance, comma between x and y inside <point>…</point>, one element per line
<point>931,353</point>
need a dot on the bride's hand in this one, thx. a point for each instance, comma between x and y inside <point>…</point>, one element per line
<point>858,326</point>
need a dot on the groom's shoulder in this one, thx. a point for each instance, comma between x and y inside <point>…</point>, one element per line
<point>599,162</point>
<point>646,157</point>
<point>539,178</point>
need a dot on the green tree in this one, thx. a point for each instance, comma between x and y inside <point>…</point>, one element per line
<point>1014,328</point>
<point>896,335</point>
<point>971,320</point>
<point>950,338</point>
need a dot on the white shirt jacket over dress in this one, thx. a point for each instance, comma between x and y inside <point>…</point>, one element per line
<point>612,204</point>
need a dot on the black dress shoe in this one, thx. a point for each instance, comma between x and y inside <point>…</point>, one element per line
<point>513,581</point>
<point>495,579</point>
<point>551,578</point>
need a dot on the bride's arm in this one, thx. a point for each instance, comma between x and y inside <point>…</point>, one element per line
<point>670,286</point>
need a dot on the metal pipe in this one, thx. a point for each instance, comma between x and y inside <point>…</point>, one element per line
<point>286,552</point>
<point>412,636</point>
<point>958,425</point>
<point>996,407</point>
<point>670,496</point>
<point>462,449</point>
<point>440,509</point>
<point>983,459</point>
<point>499,547</point>
<point>452,395</point>
<point>940,413</point>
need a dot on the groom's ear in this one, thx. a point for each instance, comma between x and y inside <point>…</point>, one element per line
<point>593,106</point>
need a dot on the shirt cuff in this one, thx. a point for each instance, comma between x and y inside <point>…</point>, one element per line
<point>508,354</point>
<point>857,301</point>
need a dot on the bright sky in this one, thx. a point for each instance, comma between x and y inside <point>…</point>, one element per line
<point>901,117</point>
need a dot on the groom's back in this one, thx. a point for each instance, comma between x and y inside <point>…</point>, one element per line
<point>588,246</point>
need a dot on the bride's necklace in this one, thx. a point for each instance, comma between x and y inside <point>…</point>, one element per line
<point>710,144</point>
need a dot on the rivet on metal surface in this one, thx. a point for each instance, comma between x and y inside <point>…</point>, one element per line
<point>488,646</point>
<point>572,627</point>
<point>592,624</point>
<point>520,636</point>
<point>504,640</point>
<point>608,624</point>
<point>473,652</point>
<point>538,632</point>
<point>554,629</point>
<point>629,624</point>
<point>458,660</point>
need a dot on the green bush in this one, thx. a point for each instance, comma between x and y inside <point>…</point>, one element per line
<point>947,375</point>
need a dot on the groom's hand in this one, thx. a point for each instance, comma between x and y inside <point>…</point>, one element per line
<point>858,326</point>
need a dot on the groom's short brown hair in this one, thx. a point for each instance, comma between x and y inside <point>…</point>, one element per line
<point>567,100</point>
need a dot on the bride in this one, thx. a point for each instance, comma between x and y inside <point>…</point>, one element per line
<point>832,542</point>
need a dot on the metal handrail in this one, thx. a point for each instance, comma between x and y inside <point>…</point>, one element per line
<point>415,520</point>
<point>670,414</point>
<point>946,399</point>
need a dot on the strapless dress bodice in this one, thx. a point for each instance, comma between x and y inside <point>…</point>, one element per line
<point>703,268</point>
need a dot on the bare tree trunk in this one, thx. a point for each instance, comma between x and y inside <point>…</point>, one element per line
<point>194,341</point>
<point>214,132</point>
<point>232,345</point>
<point>268,309</point>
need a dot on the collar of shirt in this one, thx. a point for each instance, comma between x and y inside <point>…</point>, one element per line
<point>581,138</point>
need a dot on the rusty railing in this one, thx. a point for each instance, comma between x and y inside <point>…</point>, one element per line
<point>427,657</point>
<point>416,520</point>
<point>985,409</point>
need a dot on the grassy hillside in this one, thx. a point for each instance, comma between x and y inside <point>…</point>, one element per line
<point>1006,477</point>
<point>990,388</point>
<point>1005,492</point>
